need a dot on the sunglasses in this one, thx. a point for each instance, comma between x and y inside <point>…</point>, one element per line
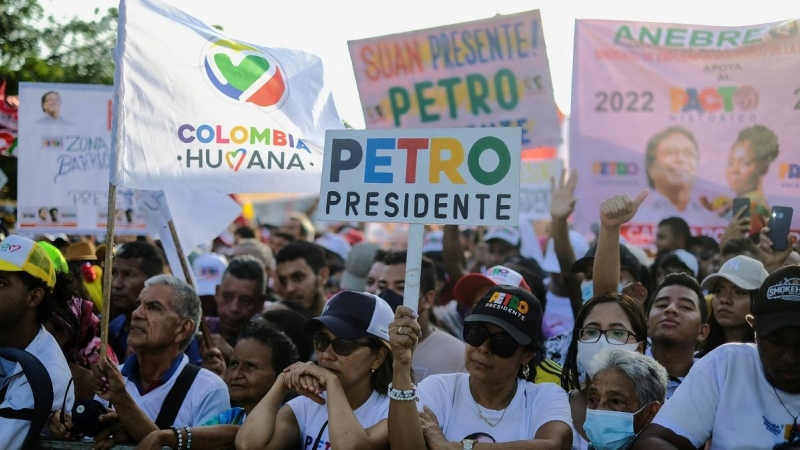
<point>501,344</point>
<point>341,347</point>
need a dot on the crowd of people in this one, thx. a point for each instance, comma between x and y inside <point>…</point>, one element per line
<point>299,339</point>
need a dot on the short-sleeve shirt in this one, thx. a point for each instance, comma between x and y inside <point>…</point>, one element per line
<point>533,405</point>
<point>727,395</point>
<point>312,418</point>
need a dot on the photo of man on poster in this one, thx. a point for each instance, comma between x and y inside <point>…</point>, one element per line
<point>51,106</point>
<point>672,158</point>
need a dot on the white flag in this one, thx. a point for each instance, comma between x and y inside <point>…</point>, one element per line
<point>198,217</point>
<point>199,110</point>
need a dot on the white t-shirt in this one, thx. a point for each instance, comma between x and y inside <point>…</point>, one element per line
<point>727,397</point>
<point>207,397</point>
<point>558,317</point>
<point>19,394</point>
<point>533,405</point>
<point>312,417</point>
<point>438,353</point>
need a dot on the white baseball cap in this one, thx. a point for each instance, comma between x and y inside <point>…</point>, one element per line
<point>335,243</point>
<point>507,234</point>
<point>743,271</point>
<point>208,270</point>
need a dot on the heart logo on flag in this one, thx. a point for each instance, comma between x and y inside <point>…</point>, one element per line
<point>243,75</point>
<point>230,155</point>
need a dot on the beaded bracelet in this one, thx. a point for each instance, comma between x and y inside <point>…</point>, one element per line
<point>178,437</point>
<point>403,395</point>
<point>188,437</point>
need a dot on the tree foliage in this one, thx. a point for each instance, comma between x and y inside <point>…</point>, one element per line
<point>38,48</point>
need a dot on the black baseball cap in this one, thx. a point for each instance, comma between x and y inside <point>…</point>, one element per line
<point>354,315</point>
<point>627,261</point>
<point>511,308</point>
<point>777,304</point>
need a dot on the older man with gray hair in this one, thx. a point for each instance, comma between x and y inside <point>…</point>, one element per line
<point>626,392</point>
<point>157,388</point>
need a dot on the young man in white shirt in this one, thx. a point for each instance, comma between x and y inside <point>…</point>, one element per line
<point>742,395</point>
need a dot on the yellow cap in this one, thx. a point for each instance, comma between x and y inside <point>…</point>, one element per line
<point>19,254</point>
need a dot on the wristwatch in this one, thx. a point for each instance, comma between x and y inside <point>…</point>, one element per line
<point>468,443</point>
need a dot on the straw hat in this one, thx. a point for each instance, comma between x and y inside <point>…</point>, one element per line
<point>81,251</point>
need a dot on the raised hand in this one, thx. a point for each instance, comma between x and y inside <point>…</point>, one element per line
<point>404,332</point>
<point>737,228</point>
<point>562,198</point>
<point>772,259</point>
<point>620,209</point>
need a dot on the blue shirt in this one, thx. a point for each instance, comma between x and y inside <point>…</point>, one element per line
<point>131,371</point>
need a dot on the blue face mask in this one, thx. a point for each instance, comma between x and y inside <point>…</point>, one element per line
<point>609,430</point>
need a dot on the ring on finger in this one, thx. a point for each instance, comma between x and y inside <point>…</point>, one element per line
<point>400,331</point>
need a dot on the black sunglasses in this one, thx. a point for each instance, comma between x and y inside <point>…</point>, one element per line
<point>501,344</point>
<point>341,347</point>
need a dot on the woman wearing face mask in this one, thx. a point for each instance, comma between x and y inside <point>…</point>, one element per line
<point>343,402</point>
<point>627,391</point>
<point>610,321</point>
<point>733,289</point>
<point>491,406</point>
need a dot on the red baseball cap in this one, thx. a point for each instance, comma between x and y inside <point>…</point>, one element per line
<point>465,288</point>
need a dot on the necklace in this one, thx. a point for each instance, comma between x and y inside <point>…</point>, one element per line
<point>480,410</point>
<point>794,417</point>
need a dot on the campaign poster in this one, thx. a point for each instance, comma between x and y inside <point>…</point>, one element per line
<point>697,114</point>
<point>535,189</point>
<point>486,73</point>
<point>468,176</point>
<point>63,150</point>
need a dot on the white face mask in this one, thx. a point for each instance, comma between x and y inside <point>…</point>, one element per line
<point>587,289</point>
<point>587,351</point>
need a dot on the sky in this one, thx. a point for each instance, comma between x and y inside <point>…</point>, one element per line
<point>323,27</point>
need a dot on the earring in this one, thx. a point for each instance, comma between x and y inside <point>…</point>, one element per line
<point>373,370</point>
<point>526,371</point>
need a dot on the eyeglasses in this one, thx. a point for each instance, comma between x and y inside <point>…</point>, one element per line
<point>614,337</point>
<point>501,344</point>
<point>341,347</point>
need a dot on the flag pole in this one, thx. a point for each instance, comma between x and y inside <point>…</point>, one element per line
<point>107,270</point>
<point>188,275</point>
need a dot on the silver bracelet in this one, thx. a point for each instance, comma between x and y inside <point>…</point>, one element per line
<point>403,395</point>
<point>188,437</point>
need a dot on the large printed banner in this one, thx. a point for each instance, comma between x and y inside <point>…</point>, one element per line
<point>487,73</point>
<point>200,110</point>
<point>700,115</point>
<point>468,176</point>
<point>64,152</point>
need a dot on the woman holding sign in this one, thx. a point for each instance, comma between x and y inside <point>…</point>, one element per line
<point>492,403</point>
<point>342,403</point>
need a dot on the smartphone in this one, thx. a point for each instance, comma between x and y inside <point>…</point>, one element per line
<point>780,222</point>
<point>739,203</point>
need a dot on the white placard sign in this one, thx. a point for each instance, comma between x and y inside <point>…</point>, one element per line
<point>467,176</point>
<point>64,154</point>
<point>535,189</point>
